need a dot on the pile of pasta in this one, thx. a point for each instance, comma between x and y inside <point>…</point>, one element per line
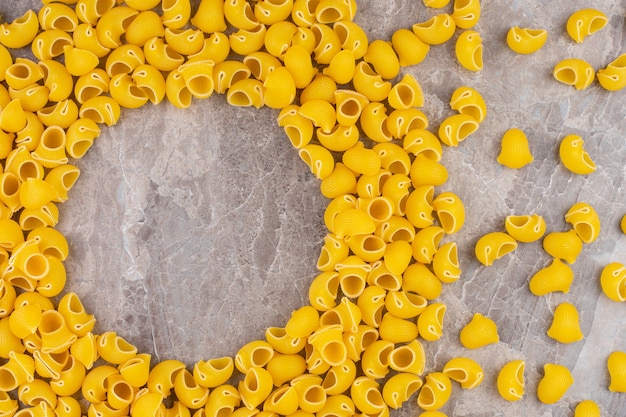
<point>358,347</point>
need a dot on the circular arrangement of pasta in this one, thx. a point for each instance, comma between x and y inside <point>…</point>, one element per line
<point>383,327</point>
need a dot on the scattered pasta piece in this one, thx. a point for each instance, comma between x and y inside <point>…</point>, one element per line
<point>525,228</point>
<point>563,245</point>
<point>565,326</point>
<point>587,408</point>
<point>613,77</point>
<point>525,40</point>
<point>480,331</point>
<point>435,392</point>
<point>585,22</point>
<point>623,224</point>
<point>585,221</point>
<point>515,152</point>
<point>465,371</point>
<point>557,276</point>
<point>494,246</point>
<point>616,365</point>
<point>469,50</point>
<point>574,72</point>
<point>510,380</point>
<point>555,382</point>
<point>574,156</point>
<point>613,281</point>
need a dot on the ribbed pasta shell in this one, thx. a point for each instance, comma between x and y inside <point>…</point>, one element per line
<point>515,152</point>
<point>245,42</point>
<point>585,220</point>
<point>302,322</point>
<point>383,58</point>
<point>419,141</point>
<point>124,60</point>
<point>62,115</point>
<point>435,31</point>
<point>419,207</point>
<point>126,93</point>
<point>397,330</point>
<point>399,388</point>
<point>411,50</point>
<point>54,281</point>
<point>85,37</point>
<point>587,408</point>
<point>465,371</point>
<point>405,304</point>
<point>430,321</point>
<point>381,276</point>
<point>101,109</point>
<point>375,359</point>
<point>341,181</point>
<point>175,13</point>
<point>371,301</point>
<point>280,89</point>
<point>613,77</point>
<point>72,309</point>
<point>13,118</point>
<point>9,191</point>
<point>617,371</point>
<point>426,243</point>
<point>21,163</point>
<point>466,13</point>
<point>282,343</point>
<point>613,281</point>
<point>323,290</point>
<point>585,22</point>
<point>89,11</point>
<point>557,276</point>
<point>79,61</point>
<point>493,246</point>
<point>468,101</point>
<point>352,37</point>
<point>55,335</point>
<point>369,83</point>
<point>51,149</point>
<point>148,404</point>
<point>21,31</point>
<point>427,171</point>
<point>408,358</point>
<point>319,160</point>
<point>35,193</point>
<point>341,67</point>
<point>23,73</point>
<point>255,387</point>
<point>228,72</point>
<point>556,381</point>
<point>346,315</point>
<point>253,354</point>
<point>115,349</point>
<point>19,369</point>
<point>70,379</point>
<point>525,40</point>
<point>57,16</point>
<point>50,365</point>
<point>575,72</point>
<point>565,326</point>
<point>247,92</point>
<point>456,128</point>
<point>146,25</point>
<point>188,391</point>
<point>33,97</point>
<point>161,378</point>
<point>113,24</point>
<point>136,370</point>
<point>85,351</point>
<point>574,156</point>
<point>563,245</point>
<point>510,380</point>
<point>321,88</point>
<point>479,332</point>
<point>435,392</point>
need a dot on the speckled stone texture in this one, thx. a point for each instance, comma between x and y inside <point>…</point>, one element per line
<point>191,231</point>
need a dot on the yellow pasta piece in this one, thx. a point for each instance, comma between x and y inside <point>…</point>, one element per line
<point>55,335</point>
<point>330,11</point>
<point>399,388</point>
<point>411,50</point>
<point>406,94</point>
<point>575,72</point>
<point>616,365</point>
<point>526,40</point>
<point>280,89</point>
<point>136,370</point>
<point>408,358</point>
<point>246,92</point>
<point>209,16</point>
<point>327,341</point>
<point>435,392</point>
<point>557,276</point>
<point>585,221</point>
<point>311,395</point>
<point>435,31</point>
<point>563,245</point>
<point>188,391</point>
<point>253,354</point>
<point>493,246</point>
<point>341,67</point>
<point>466,100</point>
<point>623,224</point>
<point>161,378</point>
<point>613,281</point>
<point>303,322</point>
<point>419,206</point>
<point>327,43</point>
<point>510,380</point>
<point>146,25</point>
<point>613,77</point>
<point>381,56</point>
<point>430,321</point>
<point>587,408</point>
<point>278,37</point>
<point>465,371</point>
<point>466,13</point>
<point>479,332</point>
<point>272,11</point>
<point>366,395</point>
<point>120,393</point>
<point>73,311</point>
<point>585,22</point>
<point>351,36</point>
<point>397,330</point>
<point>321,88</point>
<point>338,379</point>
<point>299,129</point>
<point>176,13</point>
<point>456,128</point>
<point>375,359</point>
<point>556,381</point>
<point>515,152</point>
<point>373,122</point>
<point>367,82</point>
<point>213,372</point>
<point>21,31</point>
<point>565,326</point>
<point>574,156</point>
<point>115,349</point>
<point>469,50</point>
<point>113,24</point>
<point>525,228</point>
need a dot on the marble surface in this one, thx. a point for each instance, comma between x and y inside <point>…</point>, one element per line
<point>191,231</point>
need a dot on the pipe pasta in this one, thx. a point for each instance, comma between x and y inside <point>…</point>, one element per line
<point>526,40</point>
<point>435,392</point>
<point>515,152</point>
<point>162,56</point>
<point>494,246</point>
<point>214,372</point>
<point>466,13</point>
<point>85,37</point>
<point>585,221</point>
<point>399,388</point>
<point>613,77</point>
<point>403,121</point>
<point>479,332</point>
<point>338,379</point>
<point>557,276</point>
<point>176,13</point>
<point>408,358</point>
<point>556,381</point>
<point>410,49</point>
<point>563,245</point>
<point>510,380</point>
<point>575,72</point>
<point>574,156</point>
<point>613,281</point>
<point>146,25</point>
<point>430,321</point>
<point>352,37</point>
<point>57,16</point>
<point>469,50</point>
<point>525,228</point>
<point>565,326</point>
<point>587,408</point>
<point>616,365</point>
<point>406,94</point>
<point>456,128</point>
<point>435,31</point>
<point>21,31</point>
<point>470,102</point>
<point>366,395</point>
<point>585,22</point>
<point>465,371</point>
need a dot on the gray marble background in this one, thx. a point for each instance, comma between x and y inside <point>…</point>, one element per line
<point>191,231</point>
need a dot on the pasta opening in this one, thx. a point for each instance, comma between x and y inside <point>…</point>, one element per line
<point>426,397</point>
<point>405,94</point>
<point>334,353</point>
<point>37,266</point>
<point>8,381</point>
<point>329,15</point>
<point>63,23</point>
<point>261,356</point>
<point>375,398</point>
<point>352,286</point>
<point>467,129</point>
<point>251,382</point>
<point>28,169</point>
<point>315,395</point>
<point>566,75</point>
<point>240,98</point>
<point>401,234</point>
<point>20,71</point>
<point>53,139</point>
<point>51,322</point>
<point>123,391</point>
<point>402,358</point>
<point>596,24</point>
<point>459,375</point>
<point>10,185</point>
<point>350,108</point>
<point>79,148</point>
